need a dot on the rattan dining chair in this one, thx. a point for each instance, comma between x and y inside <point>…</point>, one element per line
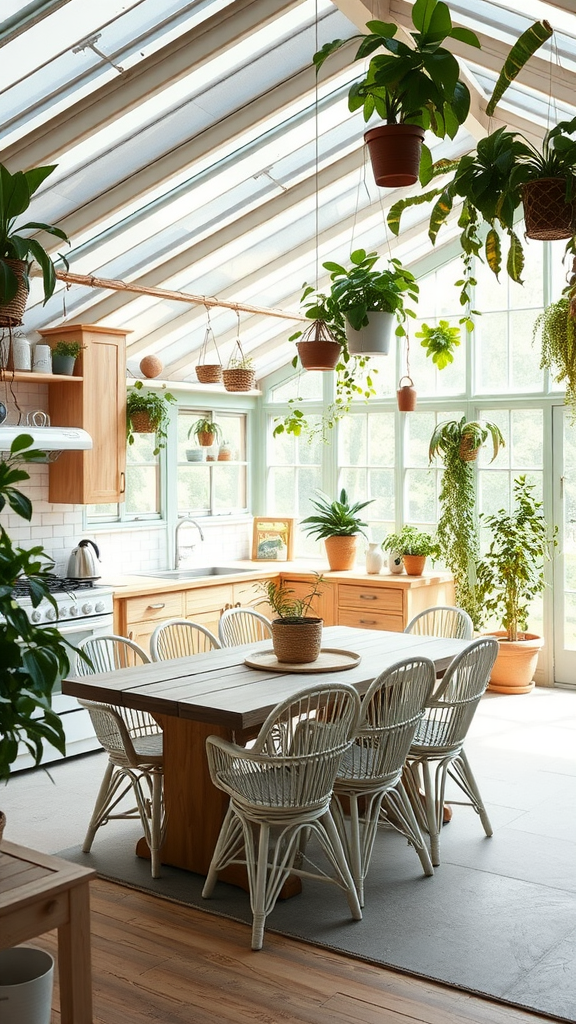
<point>442,620</point>
<point>280,791</point>
<point>180,638</point>
<point>439,740</point>
<point>243,626</point>
<point>133,742</point>
<point>369,779</point>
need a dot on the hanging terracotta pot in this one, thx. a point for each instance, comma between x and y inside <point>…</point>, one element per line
<point>395,151</point>
<point>317,349</point>
<point>375,338</point>
<point>406,395</point>
<point>11,313</point>
<point>547,215</point>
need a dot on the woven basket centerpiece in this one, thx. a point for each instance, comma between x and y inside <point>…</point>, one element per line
<point>11,313</point>
<point>297,641</point>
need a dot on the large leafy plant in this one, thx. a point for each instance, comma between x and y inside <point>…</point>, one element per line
<point>338,518</point>
<point>411,541</point>
<point>32,658</point>
<point>16,191</point>
<point>455,443</point>
<point>511,574</point>
<point>417,84</point>
<point>360,290</point>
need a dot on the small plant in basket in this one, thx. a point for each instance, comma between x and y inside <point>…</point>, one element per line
<point>147,413</point>
<point>296,636</point>
<point>240,374</point>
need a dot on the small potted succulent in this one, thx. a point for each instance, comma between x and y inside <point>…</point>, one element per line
<point>206,431</point>
<point>147,412</point>
<point>296,636</point>
<point>509,577</point>
<point>64,356</point>
<point>338,524</point>
<point>411,88</point>
<point>414,546</point>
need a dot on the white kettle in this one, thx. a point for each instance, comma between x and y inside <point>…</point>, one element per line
<point>84,561</point>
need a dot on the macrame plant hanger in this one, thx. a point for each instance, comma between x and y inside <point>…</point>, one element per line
<point>209,373</point>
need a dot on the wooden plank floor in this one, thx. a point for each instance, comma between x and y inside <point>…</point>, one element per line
<point>158,961</point>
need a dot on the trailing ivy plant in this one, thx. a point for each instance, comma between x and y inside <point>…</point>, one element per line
<point>556,327</point>
<point>440,342</point>
<point>455,442</point>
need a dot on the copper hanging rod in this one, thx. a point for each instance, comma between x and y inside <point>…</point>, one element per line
<point>163,293</point>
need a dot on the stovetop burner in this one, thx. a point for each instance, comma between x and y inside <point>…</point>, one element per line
<point>54,584</point>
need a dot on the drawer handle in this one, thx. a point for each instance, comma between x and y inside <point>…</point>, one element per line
<point>159,604</point>
<point>368,597</point>
<point>367,622</point>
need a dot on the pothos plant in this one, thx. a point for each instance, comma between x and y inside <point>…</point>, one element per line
<point>556,327</point>
<point>439,342</point>
<point>456,442</point>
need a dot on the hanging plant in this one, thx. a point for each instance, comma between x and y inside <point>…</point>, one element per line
<point>556,327</point>
<point>456,443</point>
<point>440,342</point>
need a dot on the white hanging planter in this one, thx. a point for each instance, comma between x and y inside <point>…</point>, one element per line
<point>375,338</point>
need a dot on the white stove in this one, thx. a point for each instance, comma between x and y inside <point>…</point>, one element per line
<point>83,610</point>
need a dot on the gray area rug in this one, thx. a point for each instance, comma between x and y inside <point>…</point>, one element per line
<point>481,924</point>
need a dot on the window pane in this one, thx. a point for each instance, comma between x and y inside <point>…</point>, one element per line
<point>229,487</point>
<point>141,489</point>
<point>194,488</point>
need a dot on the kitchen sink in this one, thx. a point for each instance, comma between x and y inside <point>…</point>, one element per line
<point>192,574</point>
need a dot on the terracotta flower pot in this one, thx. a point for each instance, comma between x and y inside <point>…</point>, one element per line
<point>414,564</point>
<point>206,439</point>
<point>515,663</point>
<point>319,355</point>
<point>406,395</point>
<point>297,641</point>
<point>341,552</point>
<point>547,215</point>
<point>395,151</point>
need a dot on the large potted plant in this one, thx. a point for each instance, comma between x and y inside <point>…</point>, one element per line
<point>147,412</point>
<point>456,443</point>
<point>414,546</point>
<point>296,635</point>
<point>509,577</point>
<point>372,301</point>
<point>412,88</point>
<point>17,251</point>
<point>338,524</point>
<point>32,658</point>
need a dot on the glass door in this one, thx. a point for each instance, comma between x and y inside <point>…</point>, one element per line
<point>564,463</point>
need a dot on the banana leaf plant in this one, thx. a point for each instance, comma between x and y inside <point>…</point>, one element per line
<point>16,191</point>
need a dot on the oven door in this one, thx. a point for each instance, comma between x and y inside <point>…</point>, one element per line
<point>78,730</point>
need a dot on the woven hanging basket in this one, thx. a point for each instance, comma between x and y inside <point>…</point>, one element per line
<point>239,379</point>
<point>142,423</point>
<point>297,642</point>
<point>11,313</point>
<point>548,217</point>
<point>467,450</point>
<point>209,373</point>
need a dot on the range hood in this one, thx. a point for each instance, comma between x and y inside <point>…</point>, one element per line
<point>48,439</point>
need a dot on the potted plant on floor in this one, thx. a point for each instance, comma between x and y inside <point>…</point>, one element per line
<point>414,546</point>
<point>338,524</point>
<point>509,577</point>
<point>296,636</point>
<point>64,356</point>
<point>372,301</point>
<point>205,431</point>
<point>147,412</point>
<point>18,251</point>
<point>33,658</point>
<point>412,88</point>
<point>456,443</point>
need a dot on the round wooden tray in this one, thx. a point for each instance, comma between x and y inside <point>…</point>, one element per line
<point>330,659</point>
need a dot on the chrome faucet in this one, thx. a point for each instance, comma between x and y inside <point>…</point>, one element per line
<point>181,522</point>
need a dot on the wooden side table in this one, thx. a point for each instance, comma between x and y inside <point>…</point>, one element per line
<point>39,892</point>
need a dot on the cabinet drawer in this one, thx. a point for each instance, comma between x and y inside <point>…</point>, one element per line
<point>372,599</point>
<point>370,619</point>
<point>207,599</point>
<point>154,606</point>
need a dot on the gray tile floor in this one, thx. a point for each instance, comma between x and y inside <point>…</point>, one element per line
<point>514,896</point>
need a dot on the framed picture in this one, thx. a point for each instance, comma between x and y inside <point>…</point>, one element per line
<point>273,539</point>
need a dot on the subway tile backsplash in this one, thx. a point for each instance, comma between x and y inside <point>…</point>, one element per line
<point>123,550</point>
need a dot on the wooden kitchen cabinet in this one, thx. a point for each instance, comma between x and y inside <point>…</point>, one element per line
<point>137,617</point>
<point>323,604</point>
<point>97,404</point>
<point>391,602</point>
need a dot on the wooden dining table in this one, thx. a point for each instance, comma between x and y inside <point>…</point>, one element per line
<point>218,694</point>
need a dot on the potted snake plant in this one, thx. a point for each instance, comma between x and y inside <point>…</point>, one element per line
<point>411,88</point>
<point>338,523</point>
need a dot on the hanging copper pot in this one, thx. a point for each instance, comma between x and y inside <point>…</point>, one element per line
<point>406,395</point>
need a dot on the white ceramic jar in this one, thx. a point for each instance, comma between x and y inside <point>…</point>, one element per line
<point>374,558</point>
<point>21,353</point>
<point>42,359</point>
<point>395,563</point>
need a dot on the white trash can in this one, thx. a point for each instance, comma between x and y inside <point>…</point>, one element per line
<point>26,982</point>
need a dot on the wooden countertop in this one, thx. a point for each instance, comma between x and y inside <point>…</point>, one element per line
<point>136,585</point>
